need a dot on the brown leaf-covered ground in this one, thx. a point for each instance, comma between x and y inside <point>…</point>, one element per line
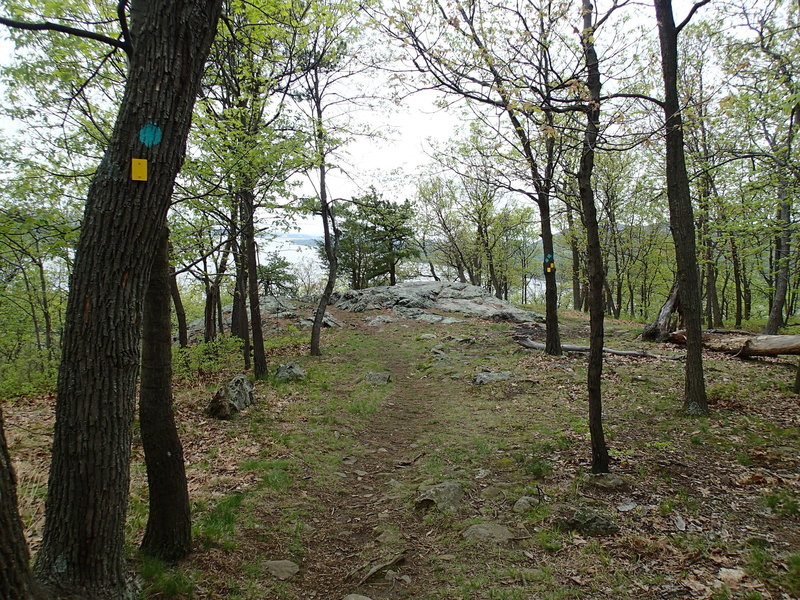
<point>325,472</point>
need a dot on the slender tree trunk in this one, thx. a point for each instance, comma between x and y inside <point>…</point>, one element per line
<point>577,300</point>
<point>168,534</point>
<point>48,321</point>
<point>209,319</point>
<point>180,312</point>
<point>680,212</point>
<point>16,579</point>
<point>331,243</point>
<point>593,251</point>
<point>247,199</point>
<point>737,282</point>
<point>220,316</point>
<point>712,297</point>
<point>32,302</point>
<point>82,552</point>
<point>542,181</point>
<point>553,338</point>
<point>240,326</point>
<point>781,263</point>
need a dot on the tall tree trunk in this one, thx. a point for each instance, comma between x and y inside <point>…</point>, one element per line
<point>48,320</point>
<point>16,580</point>
<point>577,300</point>
<point>240,326</point>
<point>331,241</point>
<point>180,311</point>
<point>737,282</point>
<point>331,234</point>
<point>168,534</point>
<point>210,313</point>
<point>542,181</point>
<point>247,199</point>
<point>593,252</point>
<point>680,211</point>
<point>82,552</point>
<point>747,292</point>
<point>781,263</point>
<point>34,309</point>
<point>712,297</point>
<point>553,338</point>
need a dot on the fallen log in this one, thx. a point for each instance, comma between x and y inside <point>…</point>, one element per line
<point>742,343</point>
<point>529,343</point>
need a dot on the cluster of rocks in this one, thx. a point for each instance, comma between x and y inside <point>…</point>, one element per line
<point>237,394</point>
<point>449,496</point>
<point>415,300</point>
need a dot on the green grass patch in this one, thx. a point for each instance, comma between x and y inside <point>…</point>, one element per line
<point>218,525</point>
<point>162,580</point>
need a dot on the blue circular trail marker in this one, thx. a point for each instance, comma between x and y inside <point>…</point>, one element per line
<point>150,135</point>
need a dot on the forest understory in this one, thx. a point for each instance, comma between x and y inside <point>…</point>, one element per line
<point>327,473</point>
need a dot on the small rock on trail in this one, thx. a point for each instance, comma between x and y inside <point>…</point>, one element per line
<point>289,372</point>
<point>445,496</point>
<point>488,532</point>
<point>282,569</point>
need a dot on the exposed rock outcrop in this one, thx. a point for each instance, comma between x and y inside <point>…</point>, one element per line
<point>415,300</point>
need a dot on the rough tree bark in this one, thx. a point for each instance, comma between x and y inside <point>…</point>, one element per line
<point>593,254</point>
<point>82,552</point>
<point>180,312</point>
<point>247,200</point>
<point>781,270</point>
<point>210,313</point>
<point>168,534</point>
<point>240,326</point>
<point>681,217</point>
<point>16,580</point>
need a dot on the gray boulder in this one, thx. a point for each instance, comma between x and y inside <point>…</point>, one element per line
<point>282,569</point>
<point>379,320</point>
<point>289,372</point>
<point>525,504</point>
<point>487,532</point>
<point>374,377</point>
<point>582,520</point>
<point>485,377</point>
<point>233,397</point>
<point>610,482</point>
<point>445,496</point>
<point>328,320</point>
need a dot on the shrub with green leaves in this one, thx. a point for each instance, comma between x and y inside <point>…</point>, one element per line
<point>222,353</point>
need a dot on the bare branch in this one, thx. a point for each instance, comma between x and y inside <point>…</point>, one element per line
<point>48,26</point>
<point>688,18</point>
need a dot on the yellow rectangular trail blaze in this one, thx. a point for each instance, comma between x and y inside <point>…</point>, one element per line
<point>139,169</point>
